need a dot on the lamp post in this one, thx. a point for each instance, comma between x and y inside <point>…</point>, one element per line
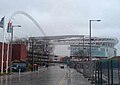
<point>90,57</point>
<point>90,23</point>
<point>11,31</point>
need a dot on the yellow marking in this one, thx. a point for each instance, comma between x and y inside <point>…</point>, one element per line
<point>60,82</point>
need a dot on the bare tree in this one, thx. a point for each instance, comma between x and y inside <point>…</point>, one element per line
<point>40,49</point>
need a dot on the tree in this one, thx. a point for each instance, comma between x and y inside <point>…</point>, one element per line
<point>41,49</point>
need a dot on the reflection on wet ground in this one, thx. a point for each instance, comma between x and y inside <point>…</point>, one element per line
<point>53,75</point>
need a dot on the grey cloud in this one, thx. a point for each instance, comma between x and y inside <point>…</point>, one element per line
<point>67,16</point>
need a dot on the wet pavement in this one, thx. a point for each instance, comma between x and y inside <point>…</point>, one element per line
<point>78,79</point>
<point>53,75</point>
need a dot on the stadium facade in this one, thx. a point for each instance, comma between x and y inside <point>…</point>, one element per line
<point>79,45</point>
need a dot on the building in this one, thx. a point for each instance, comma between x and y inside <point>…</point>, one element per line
<point>18,53</point>
<point>5,55</point>
<point>79,46</point>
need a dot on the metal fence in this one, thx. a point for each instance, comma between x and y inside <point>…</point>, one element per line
<point>107,72</point>
<point>103,72</point>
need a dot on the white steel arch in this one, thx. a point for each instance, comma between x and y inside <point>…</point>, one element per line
<point>30,17</point>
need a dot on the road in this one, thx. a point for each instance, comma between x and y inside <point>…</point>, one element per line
<point>53,75</point>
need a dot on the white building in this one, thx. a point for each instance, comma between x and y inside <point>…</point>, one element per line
<point>70,45</point>
<point>79,45</point>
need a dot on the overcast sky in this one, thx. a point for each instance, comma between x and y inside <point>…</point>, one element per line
<point>63,17</point>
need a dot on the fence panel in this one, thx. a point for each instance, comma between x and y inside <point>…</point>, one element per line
<point>107,72</point>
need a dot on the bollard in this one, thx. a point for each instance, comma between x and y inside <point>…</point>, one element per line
<point>1,80</point>
<point>6,77</point>
<point>19,74</point>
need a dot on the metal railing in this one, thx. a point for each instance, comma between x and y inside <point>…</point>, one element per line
<point>104,72</point>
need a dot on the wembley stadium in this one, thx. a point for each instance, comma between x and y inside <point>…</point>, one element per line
<point>79,45</point>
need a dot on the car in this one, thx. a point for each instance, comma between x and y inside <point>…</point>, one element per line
<point>62,66</point>
<point>18,66</point>
<point>14,68</point>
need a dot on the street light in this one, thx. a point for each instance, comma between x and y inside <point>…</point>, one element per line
<point>90,21</point>
<point>90,57</point>
<point>11,31</point>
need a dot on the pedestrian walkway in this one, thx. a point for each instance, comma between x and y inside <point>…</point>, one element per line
<point>53,75</point>
<point>78,79</point>
<point>15,77</point>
